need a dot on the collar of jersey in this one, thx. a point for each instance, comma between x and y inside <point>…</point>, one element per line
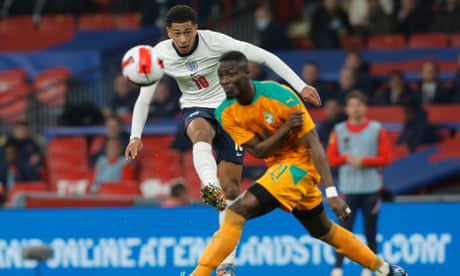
<point>256,94</point>
<point>195,45</point>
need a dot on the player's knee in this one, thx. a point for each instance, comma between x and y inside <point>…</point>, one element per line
<point>231,188</point>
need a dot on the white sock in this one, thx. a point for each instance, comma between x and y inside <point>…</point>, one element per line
<point>230,259</point>
<point>384,270</point>
<point>205,164</point>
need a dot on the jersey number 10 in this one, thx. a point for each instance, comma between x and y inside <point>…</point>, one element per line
<point>201,82</point>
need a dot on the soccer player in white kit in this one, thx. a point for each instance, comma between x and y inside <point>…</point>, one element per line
<point>191,57</point>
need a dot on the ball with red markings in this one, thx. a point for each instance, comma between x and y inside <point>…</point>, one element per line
<point>142,66</point>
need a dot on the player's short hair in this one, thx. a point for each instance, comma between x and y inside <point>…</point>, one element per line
<point>236,56</point>
<point>356,94</point>
<point>181,14</point>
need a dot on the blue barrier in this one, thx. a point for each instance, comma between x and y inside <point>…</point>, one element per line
<point>424,238</point>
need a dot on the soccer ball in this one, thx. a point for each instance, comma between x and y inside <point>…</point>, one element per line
<point>141,66</point>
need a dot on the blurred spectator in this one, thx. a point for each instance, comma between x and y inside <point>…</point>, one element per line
<point>329,24</point>
<point>272,34</point>
<point>354,60</point>
<point>379,21</point>
<point>114,129</point>
<point>257,72</point>
<point>371,14</point>
<point>347,83</point>
<point>364,81</point>
<point>311,75</point>
<point>397,93</point>
<point>30,155</point>
<point>413,17</point>
<point>431,91</point>
<point>164,104</point>
<point>360,148</point>
<point>333,110</point>
<point>13,170</point>
<point>178,196</point>
<point>124,96</point>
<point>112,166</point>
<point>417,130</point>
<point>447,20</point>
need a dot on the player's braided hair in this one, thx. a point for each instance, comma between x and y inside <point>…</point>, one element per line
<point>181,14</point>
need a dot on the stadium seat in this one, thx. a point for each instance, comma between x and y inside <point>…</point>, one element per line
<point>163,165</point>
<point>15,92</point>
<point>57,23</point>
<point>447,65</point>
<point>26,187</point>
<point>429,40</point>
<point>51,86</point>
<point>386,42</point>
<point>17,24</point>
<point>12,77</point>
<point>385,68</point>
<point>352,42</point>
<point>127,21</point>
<point>96,144</point>
<point>455,40</point>
<point>124,188</point>
<point>95,22</point>
<point>14,103</point>
<point>156,143</point>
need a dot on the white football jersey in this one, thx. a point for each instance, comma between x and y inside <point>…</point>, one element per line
<point>196,73</point>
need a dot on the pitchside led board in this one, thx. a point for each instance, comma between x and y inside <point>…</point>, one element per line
<point>424,238</point>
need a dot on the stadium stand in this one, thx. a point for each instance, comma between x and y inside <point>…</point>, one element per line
<point>386,42</point>
<point>51,86</point>
<point>100,21</point>
<point>429,40</point>
<point>95,38</point>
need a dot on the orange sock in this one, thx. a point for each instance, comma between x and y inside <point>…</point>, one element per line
<point>221,244</point>
<point>350,246</point>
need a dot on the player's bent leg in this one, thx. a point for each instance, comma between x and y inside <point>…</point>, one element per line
<point>201,133</point>
<point>253,203</point>
<point>320,226</point>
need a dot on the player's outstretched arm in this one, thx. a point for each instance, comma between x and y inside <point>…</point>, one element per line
<point>312,143</point>
<point>140,114</point>
<point>265,148</point>
<point>278,66</point>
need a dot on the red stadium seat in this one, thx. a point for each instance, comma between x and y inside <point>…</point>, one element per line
<point>386,42</point>
<point>124,188</point>
<point>16,92</point>
<point>92,22</point>
<point>352,42</point>
<point>96,144</point>
<point>57,23</point>
<point>17,24</point>
<point>127,21</point>
<point>430,40</point>
<point>12,77</point>
<point>15,111</point>
<point>14,103</point>
<point>51,86</point>
<point>163,165</point>
<point>455,40</point>
<point>405,66</point>
<point>26,187</point>
<point>156,143</point>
